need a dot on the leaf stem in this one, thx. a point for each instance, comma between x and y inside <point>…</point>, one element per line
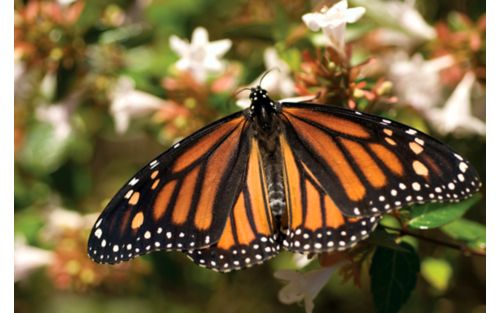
<point>466,250</point>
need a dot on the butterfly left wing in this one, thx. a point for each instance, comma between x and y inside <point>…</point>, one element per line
<point>250,235</point>
<point>180,201</point>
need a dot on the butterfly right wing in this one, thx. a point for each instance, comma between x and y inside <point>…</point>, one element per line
<point>180,200</point>
<point>370,165</point>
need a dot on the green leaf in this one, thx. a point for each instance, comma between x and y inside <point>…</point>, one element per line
<point>437,272</point>
<point>472,233</point>
<point>393,277</point>
<point>382,238</point>
<point>433,215</point>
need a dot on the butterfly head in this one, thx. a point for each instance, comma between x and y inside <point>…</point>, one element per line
<point>261,100</point>
<point>258,94</point>
<point>262,108</point>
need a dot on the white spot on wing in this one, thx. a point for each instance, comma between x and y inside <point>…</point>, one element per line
<point>463,167</point>
<point>98,233</point>
<point>415,186</point>
<point>133,181</point>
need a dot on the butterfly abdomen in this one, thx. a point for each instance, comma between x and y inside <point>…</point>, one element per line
<point>270,151</point>
<point>275,188</point>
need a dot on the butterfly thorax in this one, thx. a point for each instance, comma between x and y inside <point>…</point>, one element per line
<point>267,128</point>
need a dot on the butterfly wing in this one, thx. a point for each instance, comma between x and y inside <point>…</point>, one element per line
<point>249,236</point>
<point>315,223</point>
<point>344,169</point>
<point>369,165</point>
<point>179,201</point>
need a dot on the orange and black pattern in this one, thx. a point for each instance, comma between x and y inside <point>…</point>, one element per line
<point>250,236</point>
<point>370,165</point>
<point>179,201</point>
<point>315,223</point>
<point>301,177</point>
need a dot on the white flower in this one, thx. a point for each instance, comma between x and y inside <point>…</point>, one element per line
<point>277,81</point>
<point>58,116</point>
<point>65,2</point>
<point>127,103</point>
<point>200,57</point>
<point>333,22</point>
<point>416,81</point>
<point>303,286</point>
<point>28,258</point>
<point>399,16</point>
<point>455,116</point>
<point>60,220</point>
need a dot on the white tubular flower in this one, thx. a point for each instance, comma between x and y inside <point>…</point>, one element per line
<point>399,16</point>
<point>127,103</point>
<point>456,116</point>
<point>28,258</point>
<point>333,22</point>
<point>200,57</point>
<point>416,81</point>
<point>303,286</point>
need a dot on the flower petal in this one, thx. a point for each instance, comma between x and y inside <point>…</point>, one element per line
<point>339,6</point>
<point>456,117</point>
<point>314,21</point>
<point>212,64</point>
<point>354,14</point>
<point>336,36</point>
<point>291,293</point>
<point>219,47</point>
<point>200,36</point>
<point>178,45</point>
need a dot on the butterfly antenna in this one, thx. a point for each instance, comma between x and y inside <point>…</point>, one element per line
<point>267,72</point>
<point>228,105</point>
<point>240,91</point>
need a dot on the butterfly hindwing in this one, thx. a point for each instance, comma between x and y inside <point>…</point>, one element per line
<point>180,200</point>
<point>314,222</point>
<point>369,165</point>
<point>249,236</point>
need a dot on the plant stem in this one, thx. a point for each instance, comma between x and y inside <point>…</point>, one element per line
<point>452,245</point>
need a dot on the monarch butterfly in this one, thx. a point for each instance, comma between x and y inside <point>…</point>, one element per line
<point>302,177</point>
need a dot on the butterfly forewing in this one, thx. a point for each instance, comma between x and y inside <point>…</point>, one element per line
<point>369,165</point>
<point>179,201</point>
